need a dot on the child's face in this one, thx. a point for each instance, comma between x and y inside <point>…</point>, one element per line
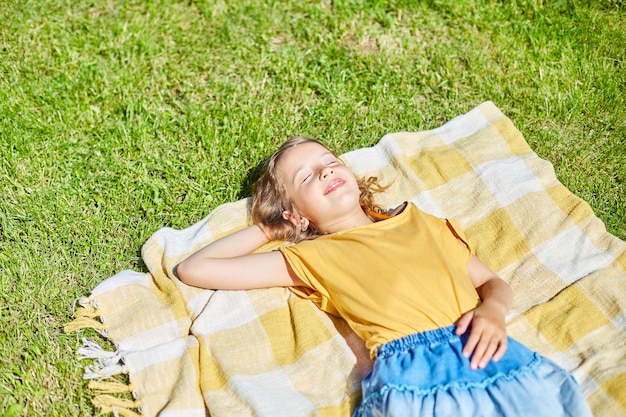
<point>321,188</point>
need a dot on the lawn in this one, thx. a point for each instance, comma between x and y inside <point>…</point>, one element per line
<point>118,118</point>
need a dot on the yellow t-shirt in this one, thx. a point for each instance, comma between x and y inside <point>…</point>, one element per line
<point>389,279</point>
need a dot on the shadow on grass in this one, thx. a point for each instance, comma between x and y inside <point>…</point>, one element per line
<point>253,174</point>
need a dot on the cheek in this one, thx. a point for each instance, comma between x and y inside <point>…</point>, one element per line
<point>307,196</point>
<point>299,197</point>
<point>354,182</point>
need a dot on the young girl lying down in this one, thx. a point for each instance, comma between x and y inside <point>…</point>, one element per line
<point>431,312</point>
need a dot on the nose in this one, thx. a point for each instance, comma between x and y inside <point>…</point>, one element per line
<point>325,172</point>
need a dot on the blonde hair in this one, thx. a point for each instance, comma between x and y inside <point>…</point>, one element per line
<point>269,199</point>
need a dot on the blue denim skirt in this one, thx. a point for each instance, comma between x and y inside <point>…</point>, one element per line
<point>425,374</point>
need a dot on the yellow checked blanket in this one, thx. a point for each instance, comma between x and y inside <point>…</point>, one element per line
<point>191,352</point>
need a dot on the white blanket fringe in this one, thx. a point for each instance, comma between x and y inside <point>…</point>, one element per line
<point>107,363</point>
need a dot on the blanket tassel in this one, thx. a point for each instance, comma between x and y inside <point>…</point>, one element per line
<point>117,406</point>
<point>109,387</point>
<point>84,318</point>
<point>107,363</point>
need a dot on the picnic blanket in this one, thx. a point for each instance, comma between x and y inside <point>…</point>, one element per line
<point>191,352</point>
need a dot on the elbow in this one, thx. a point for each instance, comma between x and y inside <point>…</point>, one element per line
<point>194,272</point>
<point>184,272</point>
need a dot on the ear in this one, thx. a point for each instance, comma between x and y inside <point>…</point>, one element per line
<point>299,222</point>
<point>304,223</point>
<point>291,217</point>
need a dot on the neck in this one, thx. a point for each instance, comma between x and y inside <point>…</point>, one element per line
<point>354,219</point>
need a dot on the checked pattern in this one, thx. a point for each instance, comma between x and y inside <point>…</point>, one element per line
<point>269,353</point>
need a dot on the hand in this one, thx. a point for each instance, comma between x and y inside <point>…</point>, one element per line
<point>487,339</point>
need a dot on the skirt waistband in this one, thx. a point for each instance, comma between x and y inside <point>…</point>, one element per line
<point>422,338</point>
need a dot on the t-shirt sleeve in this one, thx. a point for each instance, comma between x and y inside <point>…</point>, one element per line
<point>455,229</point>
<point>314,289</point>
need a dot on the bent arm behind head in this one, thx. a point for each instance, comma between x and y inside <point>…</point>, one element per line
<point>229,264</point>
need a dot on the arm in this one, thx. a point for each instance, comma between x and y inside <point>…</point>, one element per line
<point>488,338</point>
<point>229,264</point>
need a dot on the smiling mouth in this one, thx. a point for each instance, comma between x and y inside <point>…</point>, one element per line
<point>338,183</point>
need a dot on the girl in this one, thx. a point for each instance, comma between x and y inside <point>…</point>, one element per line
<point>431,313</point>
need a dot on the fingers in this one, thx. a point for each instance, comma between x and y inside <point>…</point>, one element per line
<point>501,350</point>
<point>463,323</point>
<point>471,344</point>
<point>487,339</point>
<point>483,352</point>
<point>484,344</point>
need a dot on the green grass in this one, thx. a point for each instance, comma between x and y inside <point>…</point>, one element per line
<point>118,118</point>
